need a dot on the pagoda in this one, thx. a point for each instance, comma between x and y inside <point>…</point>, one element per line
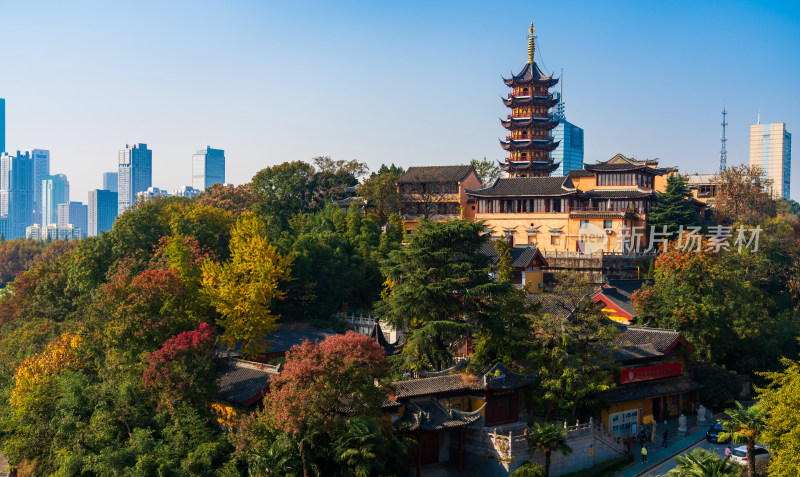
<point>529,141</point>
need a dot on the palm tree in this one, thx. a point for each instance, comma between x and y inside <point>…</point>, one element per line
<point>548,437</point>
<point>704,463</point>
<point>744,426</point>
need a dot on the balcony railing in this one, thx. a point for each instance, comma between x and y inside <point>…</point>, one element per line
<point>632,210</point>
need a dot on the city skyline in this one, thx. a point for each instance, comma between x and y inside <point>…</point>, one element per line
<point>643,80</point>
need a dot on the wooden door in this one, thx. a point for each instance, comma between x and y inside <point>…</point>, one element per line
<point>429,447</point>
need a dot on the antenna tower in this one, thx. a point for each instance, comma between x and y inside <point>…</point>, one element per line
<point>723,153</point>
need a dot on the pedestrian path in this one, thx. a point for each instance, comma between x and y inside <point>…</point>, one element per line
<point>656,454</point>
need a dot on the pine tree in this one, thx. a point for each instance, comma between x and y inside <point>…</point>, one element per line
<point>673,207</point>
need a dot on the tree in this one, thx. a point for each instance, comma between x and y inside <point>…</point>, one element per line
<point>487,171</point>
<point>780,400</point>
<point>742,196</point>
<point>284,190</point>
<point>573,349</point>
<point>380,191</point>
<point>321,389</point>
<point>745,425</point>
<point>183,370</point>
<point>528,469</point>
<point>720,385</point>
<point>674,207</point>
<point>244,288</point>
<point>704,463</point>
<point>234,199</point>
<point>439,288</point>
<point>548,438</point>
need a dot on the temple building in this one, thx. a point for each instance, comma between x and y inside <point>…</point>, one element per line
<point>611,198</point>
<point>530,123</point>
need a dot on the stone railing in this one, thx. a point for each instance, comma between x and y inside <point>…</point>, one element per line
<point>363,324</point>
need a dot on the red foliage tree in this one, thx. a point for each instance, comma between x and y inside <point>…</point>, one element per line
<point>322,384</point>
<point>183,368</point>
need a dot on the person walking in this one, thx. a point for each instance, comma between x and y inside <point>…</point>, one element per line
<point>666,434</point>
<point>644,454</point>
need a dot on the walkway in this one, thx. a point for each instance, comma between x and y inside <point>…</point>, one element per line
<point>657,455</point>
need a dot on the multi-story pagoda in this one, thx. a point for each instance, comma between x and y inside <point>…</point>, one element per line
<point>529,141</point>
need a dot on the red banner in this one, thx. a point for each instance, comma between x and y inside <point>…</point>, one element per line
<point>646,373</point>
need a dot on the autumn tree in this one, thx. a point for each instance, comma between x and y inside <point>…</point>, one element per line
<point>743,196</point>
<point>244,289</point>
<point>439,289</point>
<point>234,199</point>
<point>780,400</point>
<point>183,369</point>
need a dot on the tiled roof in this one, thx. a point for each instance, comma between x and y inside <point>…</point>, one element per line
<point>437,385</point>
<point>617,194</point>
<point>529,72</point>
<point>636,352</point>
<point>498,377</point>
<point>377,334</point>
<point>646,389</point>
<point>284,340</point>
<point>240,381</point>
<point>661,339</point>
<point>580,173</point>
<point>560,306</point>
<point>619,293</point>
<point>432,415</point>
<point>435,174</point>
<point>527,187</point>
<point>521,257</point>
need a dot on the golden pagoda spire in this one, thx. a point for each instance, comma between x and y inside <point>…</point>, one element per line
<point>531,45</point>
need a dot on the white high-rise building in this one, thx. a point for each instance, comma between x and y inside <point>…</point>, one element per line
<point>771,149</point>
<point>102,211</point>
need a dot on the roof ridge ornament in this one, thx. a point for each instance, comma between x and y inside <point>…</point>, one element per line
<point>531,44</point>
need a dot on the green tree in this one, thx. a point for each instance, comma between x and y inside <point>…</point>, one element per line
<point>780,400</point>
<point>528,469</point>
<point>439,288</point>
<point>721,385</point>
<point>745,426</point>
<point>548,438</point>
<point>487,171</point>
<point>380,191</point>
<point>284,190</point>
<point>704,463</point>
<point>674,207</point>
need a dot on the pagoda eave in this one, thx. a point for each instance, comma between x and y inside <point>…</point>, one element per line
<point>547,101</point>
<point>529,145</point>
<point>526,166</point>
<point>522,123</point>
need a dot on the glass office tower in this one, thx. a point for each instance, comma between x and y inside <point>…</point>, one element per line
<point>208,168</point>
<point>771,149</point>
<point>135,174</point>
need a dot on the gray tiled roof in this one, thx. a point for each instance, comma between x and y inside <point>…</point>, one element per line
<point>436,174</point>
<point>432,415</point>
<point>240,381</point>
<point>646,389</point>
<point>521,257</point>
<point>617,194</point>
<point>619,293</point>
<point>497,377</point>
<point>528,187</point>
<point>661,339</point>
<point>580,173</point>
<point>636,352</point>
<point>284,340</point>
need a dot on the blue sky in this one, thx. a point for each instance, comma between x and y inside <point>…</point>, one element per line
<point>413,83</point>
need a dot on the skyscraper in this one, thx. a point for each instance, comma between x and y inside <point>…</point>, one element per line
<point>135,174</point>
<point>41,171</point>
<point>16,192</point>
<point>102,211</point>
<point>208,168</point>
<point>75,214</point>
<point>55,190</point>
<point>2,125</point>
<point>110,181</point>
<point>771,149</point>
<point>569,153</point>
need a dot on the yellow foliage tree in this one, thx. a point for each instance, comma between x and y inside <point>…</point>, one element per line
<point>780,400</point>
<point>244,288</point>
<point>60,355</point>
